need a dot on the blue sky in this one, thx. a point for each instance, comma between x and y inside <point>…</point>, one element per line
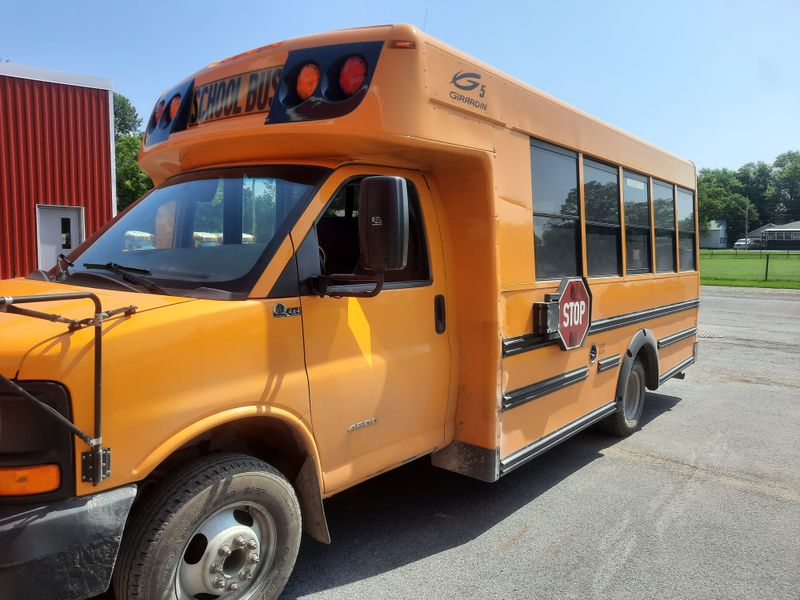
<point>715,81</point>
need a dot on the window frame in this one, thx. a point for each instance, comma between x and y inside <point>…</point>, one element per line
<point>613,169</point>
<point>647,229</point>
<point>692,232</point>
<point>577,219</point>
<point>665,230</point>
<point>309,261</point>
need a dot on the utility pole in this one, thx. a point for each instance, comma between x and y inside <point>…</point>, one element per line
<point>747,225</point>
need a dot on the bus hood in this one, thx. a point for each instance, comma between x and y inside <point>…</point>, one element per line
<point>19,334</point>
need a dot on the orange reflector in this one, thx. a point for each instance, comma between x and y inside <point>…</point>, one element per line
<point>174,105</point>
<point>22,481</point>
<point>352,75</point>
<point>159,111</point>
<point>307,80</point>
<point>403,44</point>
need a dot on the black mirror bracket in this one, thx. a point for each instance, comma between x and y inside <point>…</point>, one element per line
<point>322,285</point>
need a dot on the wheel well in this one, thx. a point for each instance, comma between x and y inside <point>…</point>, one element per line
<point>649,360</point>
<point>271,440</point>
<point>642,347</point>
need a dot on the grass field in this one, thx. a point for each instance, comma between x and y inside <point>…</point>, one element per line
<point>748,268</point>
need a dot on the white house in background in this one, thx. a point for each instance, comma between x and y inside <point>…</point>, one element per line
<point>758,233</point>
<point>716,236</point>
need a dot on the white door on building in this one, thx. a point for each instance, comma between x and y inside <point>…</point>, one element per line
<point>60,229</point>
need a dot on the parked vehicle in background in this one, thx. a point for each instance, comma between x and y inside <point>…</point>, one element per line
<point>748,243</point>
<point>363,247</point>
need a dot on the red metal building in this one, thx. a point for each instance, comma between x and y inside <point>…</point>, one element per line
<point>57,176</point>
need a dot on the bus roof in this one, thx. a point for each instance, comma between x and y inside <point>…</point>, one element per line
<point>420,94</point>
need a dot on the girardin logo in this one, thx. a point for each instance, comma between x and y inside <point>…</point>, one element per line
<point>469,82</point>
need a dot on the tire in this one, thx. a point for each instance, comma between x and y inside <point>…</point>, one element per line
<point>225,526</point>
<point>625,420</point>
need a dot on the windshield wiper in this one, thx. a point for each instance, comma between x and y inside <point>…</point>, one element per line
<point>131,274</point>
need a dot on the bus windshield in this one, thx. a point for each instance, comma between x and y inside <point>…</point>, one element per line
<point>213,229</point>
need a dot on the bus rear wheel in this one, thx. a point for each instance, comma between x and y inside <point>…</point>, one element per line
<point>226,526</point>
<point>626,419</point>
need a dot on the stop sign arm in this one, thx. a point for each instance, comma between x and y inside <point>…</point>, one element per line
<point>565,315</point>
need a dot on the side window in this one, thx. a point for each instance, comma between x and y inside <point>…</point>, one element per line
<point>601,199</point>
<point>556,219</point>
<point>337,233</point>
<point>686,229</point>
<point>637,222</point>
<point>664,217</point>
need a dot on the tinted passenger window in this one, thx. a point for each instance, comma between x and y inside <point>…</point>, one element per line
<point>664,217</point>
<point>337,233</point>
<point>601,198</point>
<point>556,222</point>
<point>637,223</point>
<point>686,229</point>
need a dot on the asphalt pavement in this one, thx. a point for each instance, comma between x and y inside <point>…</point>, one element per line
<point>703,502</point>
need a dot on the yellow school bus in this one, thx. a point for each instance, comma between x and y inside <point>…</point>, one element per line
<point>363,247</point>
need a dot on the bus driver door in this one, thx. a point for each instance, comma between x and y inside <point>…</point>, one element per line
<point>378,368</point>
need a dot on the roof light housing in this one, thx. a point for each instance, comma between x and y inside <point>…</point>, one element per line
<point>345,73</point>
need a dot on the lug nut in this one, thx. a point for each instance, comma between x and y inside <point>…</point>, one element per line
<point>238,541</point>
<point>245,575</point>
<point>252,544</point>
<point>219,583</point>
<point>215,568</point>
<point>225,550</point>
<point>253,558</point>
<point>233,586</point>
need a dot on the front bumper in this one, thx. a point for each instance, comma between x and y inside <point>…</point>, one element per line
<point>62,550</point>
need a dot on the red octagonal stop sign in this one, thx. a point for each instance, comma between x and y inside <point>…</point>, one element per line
<point>574,312</point>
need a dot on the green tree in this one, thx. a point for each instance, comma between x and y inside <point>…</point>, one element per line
<point>132,182</point>
<point>720,197</point>
<point>756,185</point>
<point>785,191</point>
<point>126,119</point>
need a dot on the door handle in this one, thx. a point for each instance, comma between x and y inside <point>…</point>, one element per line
<point>439,314</point>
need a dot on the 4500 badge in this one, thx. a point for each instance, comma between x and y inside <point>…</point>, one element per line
<point>468,82</point>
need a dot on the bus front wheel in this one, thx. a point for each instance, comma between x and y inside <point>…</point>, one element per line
<point>625,420</point>
<point>227,525</point>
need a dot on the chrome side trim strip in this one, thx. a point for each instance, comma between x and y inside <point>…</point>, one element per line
<point>676,337</point>
<point>531,451</point>
<point>608,363</point>
<point>525,394</point>
<point>642,315</point>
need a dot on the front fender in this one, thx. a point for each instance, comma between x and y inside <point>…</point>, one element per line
<point>198,428</point>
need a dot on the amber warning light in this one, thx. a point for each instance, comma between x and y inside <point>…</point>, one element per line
<point>174,105</point>
<point>307,81</point>
<point>24,481</point>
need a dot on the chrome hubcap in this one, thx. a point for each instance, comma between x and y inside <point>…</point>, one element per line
<point>228,555</point>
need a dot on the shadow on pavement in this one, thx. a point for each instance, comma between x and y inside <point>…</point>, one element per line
<point>418,510</point>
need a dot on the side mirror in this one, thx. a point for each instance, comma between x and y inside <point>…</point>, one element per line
<point>382,239</point>
<point>383,223</point>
